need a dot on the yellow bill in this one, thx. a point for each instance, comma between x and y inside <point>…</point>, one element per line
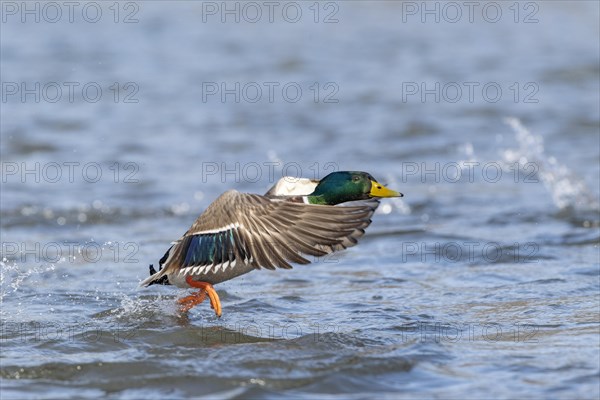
<point>378,190</point>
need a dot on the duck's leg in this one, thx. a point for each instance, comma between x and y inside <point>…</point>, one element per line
<point>205,288</point>
<point>191,301</point>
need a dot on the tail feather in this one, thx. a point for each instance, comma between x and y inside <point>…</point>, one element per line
<point>158,278</point>
<point>155,278</point>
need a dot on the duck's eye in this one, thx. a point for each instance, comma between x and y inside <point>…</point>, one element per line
<point>356,179</point>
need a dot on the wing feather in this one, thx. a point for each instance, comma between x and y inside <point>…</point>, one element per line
<point>247,229</point>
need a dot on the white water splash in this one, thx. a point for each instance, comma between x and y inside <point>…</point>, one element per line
<point>13,275</point>
<point>567,190</point>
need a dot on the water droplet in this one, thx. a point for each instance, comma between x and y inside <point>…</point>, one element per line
<point>61,220</point>
<point>28,210</point>
<point>179,209</point>
<point>468,149</point>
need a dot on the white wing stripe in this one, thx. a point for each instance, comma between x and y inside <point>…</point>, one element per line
<point>223,229</point>
<point>203,269</point>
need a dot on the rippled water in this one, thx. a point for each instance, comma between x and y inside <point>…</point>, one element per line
<point>482,281</point>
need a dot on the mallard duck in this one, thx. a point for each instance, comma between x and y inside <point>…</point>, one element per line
<point>241,232</point>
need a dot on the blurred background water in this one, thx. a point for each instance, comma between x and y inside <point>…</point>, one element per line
<point>121,121</point>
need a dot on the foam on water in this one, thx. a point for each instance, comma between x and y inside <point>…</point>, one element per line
<point>12,275</point>
<point>567,189</point>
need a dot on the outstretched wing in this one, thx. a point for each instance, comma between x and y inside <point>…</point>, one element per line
<point>240,229</point>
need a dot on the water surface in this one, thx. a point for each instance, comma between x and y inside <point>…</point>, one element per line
<point>482,281</point>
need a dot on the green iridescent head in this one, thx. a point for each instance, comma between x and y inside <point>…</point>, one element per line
<point>342,186</point>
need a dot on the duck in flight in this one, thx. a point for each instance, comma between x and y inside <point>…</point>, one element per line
<point>241,232</point>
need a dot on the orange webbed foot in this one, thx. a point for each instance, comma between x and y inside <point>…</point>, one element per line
<point>191,301</point>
